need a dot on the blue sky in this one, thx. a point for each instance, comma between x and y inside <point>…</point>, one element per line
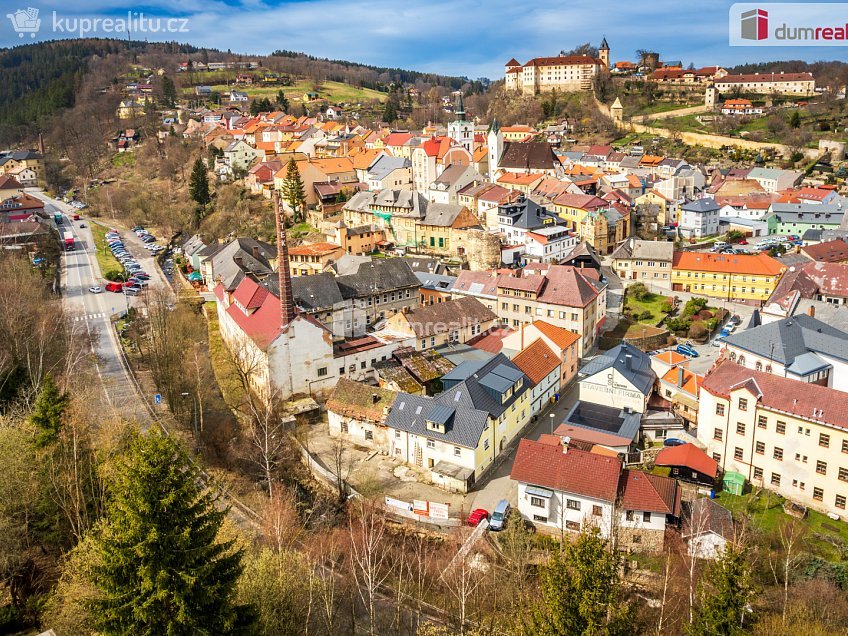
<point>460,37</point>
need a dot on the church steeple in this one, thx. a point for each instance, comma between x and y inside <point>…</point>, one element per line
<point>287,308</point>
<point>460,108</point>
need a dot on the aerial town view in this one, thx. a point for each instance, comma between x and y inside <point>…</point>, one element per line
<point>423,319</point>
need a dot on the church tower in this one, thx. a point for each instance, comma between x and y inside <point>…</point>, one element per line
<point>604,53</point>
<point>495,143</point>
<point>462,130</point>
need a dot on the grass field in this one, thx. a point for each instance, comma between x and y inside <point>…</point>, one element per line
<point>335,92</point>
<point>659,107</point>
<point>651,303</point>
<point>105,260</point>
<point>766,513</point>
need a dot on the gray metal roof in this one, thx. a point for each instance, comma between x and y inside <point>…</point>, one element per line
<point>639,372</point>
<point>384,165</point>
<point>606,419</point>
<point>707,204</point>
<point>410,413</point>
<point>786,340</point>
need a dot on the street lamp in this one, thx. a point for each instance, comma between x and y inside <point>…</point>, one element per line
<point>194,401</point>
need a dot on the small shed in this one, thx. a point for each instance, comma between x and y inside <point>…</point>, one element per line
<point>689,463</point>
<point>707,527</point>
<point>733,482</point>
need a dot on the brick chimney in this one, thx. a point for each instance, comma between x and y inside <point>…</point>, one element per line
<point>811,311</point>
<point>287,309</point>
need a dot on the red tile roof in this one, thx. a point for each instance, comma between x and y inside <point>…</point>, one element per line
<point>314,249</point>
<point>690,456</point>
<point>537,361</point>
<point>568,286</point>
<point>397,139</point>
<point>561,60</point>
<point>830,251</point>
<point>651,493</point>
<point>581,201</point>
<point>757,264</point>
<point>491,341</point>
<point>576,471</point>
<point>560,336</point>
<point>814,403</point>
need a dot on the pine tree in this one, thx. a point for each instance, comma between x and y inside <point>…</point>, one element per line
<point>47,414</point>
<point>161,566</point>
<point>795,119</point>
<point>169,92</point>
<point>282,101</point>
<point>293,193</point>
<point>198,187</point>
<point>727,588</point>
<point>390,114</point>
<point>581,591</point>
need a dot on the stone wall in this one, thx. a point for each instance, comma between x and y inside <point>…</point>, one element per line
<point>641,540</point>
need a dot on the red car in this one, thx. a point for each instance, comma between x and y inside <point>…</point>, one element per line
<point>477,516</point>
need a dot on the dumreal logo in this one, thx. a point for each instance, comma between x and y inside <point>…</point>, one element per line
<point>754,24</point>
<point>789,24</point>
<point>26,21</point>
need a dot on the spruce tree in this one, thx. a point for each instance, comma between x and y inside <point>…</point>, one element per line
<point>169,92</point>
<point>726,590</point>
<point>282,101</point>
<point>390,113</point>
<point>47,413</point>
<point>293,193</point>
<point>161,566</point>
<point>581,591</point>
<point>198,187</point>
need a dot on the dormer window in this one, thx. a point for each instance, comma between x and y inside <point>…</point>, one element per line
<point>435,426</point>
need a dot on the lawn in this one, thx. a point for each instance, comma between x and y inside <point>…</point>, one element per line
<point>659,107</point>
<point>651,303</point>
<point>686,123</point>
<point>766,513</point>
<point>335,92</point>
<point>105,260</point>
<point>222,363</point>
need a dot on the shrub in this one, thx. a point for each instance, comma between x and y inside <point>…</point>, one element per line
<point>678,324</point>
<point>705,314</point>
<point>667,307</point>
<point>697,331</point>
<point>711,324</point>
<point>645,315</point>
<point>693,306</point>
<point>113,275</point>
<point>638,291</point>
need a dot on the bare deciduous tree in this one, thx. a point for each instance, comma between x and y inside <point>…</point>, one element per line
<point>369,556</point>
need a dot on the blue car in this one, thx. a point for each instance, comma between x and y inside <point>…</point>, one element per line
<point>673,441</point>
<point>687,351</point>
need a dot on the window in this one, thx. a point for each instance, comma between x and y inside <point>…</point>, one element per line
<point>775,479</point>
<point>369,435</point>
<point>344,427</point>
<point>537,502</point>
<point>572,525</point>
<point>761,448</point>
<point>843,474</point>
<point>818,494</point>
<point>431,443</point>
<point>719,409</point>
<point>397,434</point>
<point>778,454</point>
<point>737,454</point>
<point>717,434</point>
<point>781,427</point>
<point>824,440</point>
<point>758,473</point>
<point>740,428</point>
<point>717,457</point>
<point>485,444</point>
<point>628,515</point>
<point>743,403</point>
<point>821,467</point>
<point>840,501</point>
<point>762,421</point>
<point>572,504</point>
<point>596,511</point>
<point>540,518</point>
<point>646,517</point>
<point>845,445</point>
<point>322,372</point>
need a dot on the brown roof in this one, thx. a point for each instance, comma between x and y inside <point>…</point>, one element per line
<point>453,314</point>
<point>814,403</point>
<point>314,249</point>
<point>831,278</point>
<point>567,286</point>
<point>561,60</point>
<point>485,283</point>
<point>765,77</point>
<point>834,251</point>
<point>361,401</point>
<point>528,155</point>
<point>8,182</point>
<point>652,493</point>
<point>533,282</point>
<point>536,361</point>
<point>687,455</point>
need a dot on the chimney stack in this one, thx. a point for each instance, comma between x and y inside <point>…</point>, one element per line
<point>680,376</point>
<point>255,251</point>
<point>287,310</point>
<point>811,311</point>
<point>375,398</point>
<point>566,440</point>
<point>628,361</point>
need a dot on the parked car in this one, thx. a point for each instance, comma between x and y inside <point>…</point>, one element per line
<point>115,287</point>
<point>477,516</point>
<point>76,217</point>
<point>736,319</point>
<point>499,516</point>
<point>131,291</point>
<point>717,342</point>
<point>673,441</point>
<point>687,351</point>
<point>96,289</point>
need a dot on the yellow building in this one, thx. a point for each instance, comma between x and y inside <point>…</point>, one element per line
<point>780,434</point>
<point>726,276</point>
<point>573,208</point>
<point>306,260</point>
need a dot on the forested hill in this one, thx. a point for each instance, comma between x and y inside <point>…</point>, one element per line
<point>41,79</point>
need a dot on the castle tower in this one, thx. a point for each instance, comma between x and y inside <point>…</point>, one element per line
<point>287,308</point>
<point>711,97</point>
<point>617,111</point>
<point>604,53</point>
<point>495,144</point>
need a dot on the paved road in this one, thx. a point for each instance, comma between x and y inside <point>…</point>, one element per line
<point>91,314</point>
